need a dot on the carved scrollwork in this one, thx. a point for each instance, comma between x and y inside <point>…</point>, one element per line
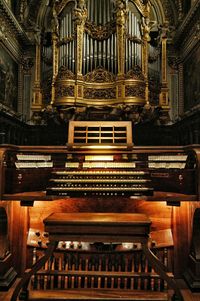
<point>100,32</point>
<point>134,39</point>
<point>65,73</point>
<point>60,4</point>
<point>135,91</point>
<point>67,91</point>
<point>99,93</point>
<point>99,75</point>
<point>80,12</point>
<point>135,73</point>
<point>65,40</point>
<point>140,4</point>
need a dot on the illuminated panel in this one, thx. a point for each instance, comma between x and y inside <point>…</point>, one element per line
<point>108,165</point>
<point>91,133</point>
<point>99,158</point>
<point>72,164</point>
<point>33,164</point>
<point>31,157</point>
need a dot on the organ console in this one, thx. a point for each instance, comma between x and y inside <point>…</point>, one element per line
<point>99,160</point>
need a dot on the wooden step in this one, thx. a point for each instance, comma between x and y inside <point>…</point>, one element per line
<point>96,294</point>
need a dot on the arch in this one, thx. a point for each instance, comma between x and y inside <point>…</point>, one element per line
<point>157,11</point>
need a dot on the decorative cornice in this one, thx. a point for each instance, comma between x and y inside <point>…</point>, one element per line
<point>191,18</point>
<point>9,17</point>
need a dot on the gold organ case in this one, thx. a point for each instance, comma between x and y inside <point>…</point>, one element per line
<point>101,54</point>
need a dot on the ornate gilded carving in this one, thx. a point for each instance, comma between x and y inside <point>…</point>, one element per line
<point>55,35</point>
<point>65,40</point>
<point>65,73</point>
<point>163,99</point>
<point>99,75</point>
<point>80,16</point>
<point>59,5</point>
<point>135,73</point>
<point>134,39</point>
<point>121,16</point>
<point>99,93</point>
<point>100,32</point>
<point>135,91</point>
<point>140,4</point>
<point>64,91</point>
<point>80,12</point>
<point>80,91</point>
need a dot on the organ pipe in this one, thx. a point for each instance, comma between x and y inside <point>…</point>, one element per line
<point>133,48</point>
<point>108,34</point>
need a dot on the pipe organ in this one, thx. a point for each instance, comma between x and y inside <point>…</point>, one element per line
<point>101,53</point>
<point>67,39</point>
<point>133,46</point>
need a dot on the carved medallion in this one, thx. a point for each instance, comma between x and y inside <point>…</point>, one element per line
<point>99,75</point>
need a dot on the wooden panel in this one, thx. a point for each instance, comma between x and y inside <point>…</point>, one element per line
<point>18,232</point>
<point>158,212</point>
<point>96,295</point>
<point>181,228</point>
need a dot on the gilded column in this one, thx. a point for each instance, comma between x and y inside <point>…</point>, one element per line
<point>37,94</point>
<point>55,37</point>
<point>80,16</point>
<point>145,29</point>
<point>163,97</point>
<point>121,16</point>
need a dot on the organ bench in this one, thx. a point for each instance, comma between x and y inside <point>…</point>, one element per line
<point>101,227</point>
